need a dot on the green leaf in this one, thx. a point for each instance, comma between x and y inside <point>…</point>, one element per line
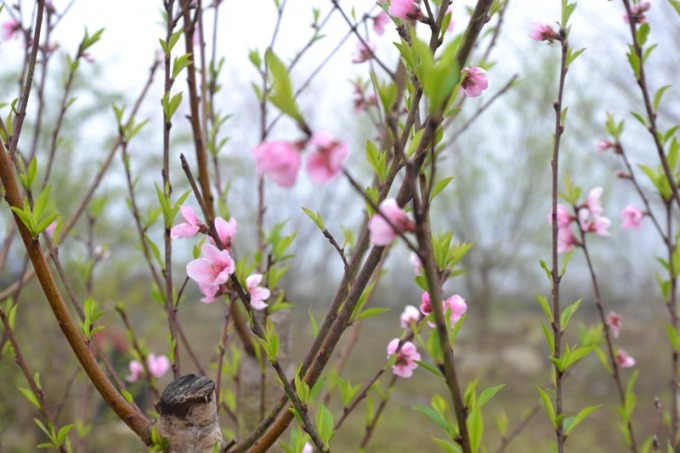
<point>673,336</point>
<point>659,94</point>
<point>173,40</point>
<point>643,33</point>
<point>30,396</point>
<point>580,417</point>
<point>568,313</point>
<point>316,218</point>
<point>548,406</point>
<point>544,305</point>
<point>475,425</point>
<point>371,312</point>
<point>315,327</point>
<point>430,367</point>
<point>576,355</point>
<point>282,90</point>
<point>450,447</point>
<point>487,394</point>
<point>63,432</point>
<point>441,185</point>
<point>324,424</point>
<point>180,63</point>
<point>435,417</point>
<point>127,395</point>
<point>565,261</point>
<point>155,250</point>
<point>40,204</point>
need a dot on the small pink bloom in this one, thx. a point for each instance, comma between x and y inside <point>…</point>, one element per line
<point>604,145</point>
<point>623,359</point>
<point>475,82</point>
<point>225,231</point>
<point>594,203</point>
<point>213,268</point>
<point>598,225</point>
<point>614,323</point>
<point>426,305</point>
<point>405,9</point>
<point>89,58</point>
<point>51,229</point>
<point>189,226</point>
<point>563,217</point>
<point>379,22</point>
<point>210,292</point>
<point>359,101</point>
<point>364,52</point>
<point>327,155</point>
<point>381,231</point>
<point>632,218</point>
<point>308,448</point>
<point>565,240</point>
<point>258,294</point>
<point>454,303</point>
<point>637,11</point>
<point>136,371</point>
<point>278,160</point>
<point>406,357</point>
<point>11,28</point>
<point>409,315</point>
<point>541,31</point>
<point>415,262</point>
<point>158,366</point>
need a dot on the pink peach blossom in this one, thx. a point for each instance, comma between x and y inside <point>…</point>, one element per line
<point>408,316</point>
<point>604,145</point>
<point>406,358</point>
<point>565,240</point>
<point>632,218</point>
<point>454,303</point>
<point>364,52</point>
<point>381,231</point>
<point>614,323</point>
<point>279,160</point>
<point>405,9</point>
<point>475,82</point>
<point>541,31</point>
<point>415,262</point>
<point>594,202</point>
<point>51,229</point>
<point>213,268</point>
<point>189,226</point>
<point>258,294</point>
<point>327,155</point>
<point>136,371</point>
<point>597,225</point>
<point>225,231</point>
<point>623,359</point>
<point>210,292</point>
<point>11,28</point>
<point>158,366</point>
<point>637,12</point>
<point>308,448</point>
<point>563,217</point>
<point>379,22</point>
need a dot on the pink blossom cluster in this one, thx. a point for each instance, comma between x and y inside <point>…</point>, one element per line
<point>455,304</point>
<point>632,218</point>
<point>589,218</point>
<point>541,31</point>
<point>280,160</point>
<point>622,358</point>
<point>406,357</point>
<point>405,9</point>
<point>380,21</point>
<point>10,29</point>
<point>365,51</point>
<point>157,366</point>
<point>361,102</point>
<point>383,232</point>
<point>637,15</point>
<point>474,82</point>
